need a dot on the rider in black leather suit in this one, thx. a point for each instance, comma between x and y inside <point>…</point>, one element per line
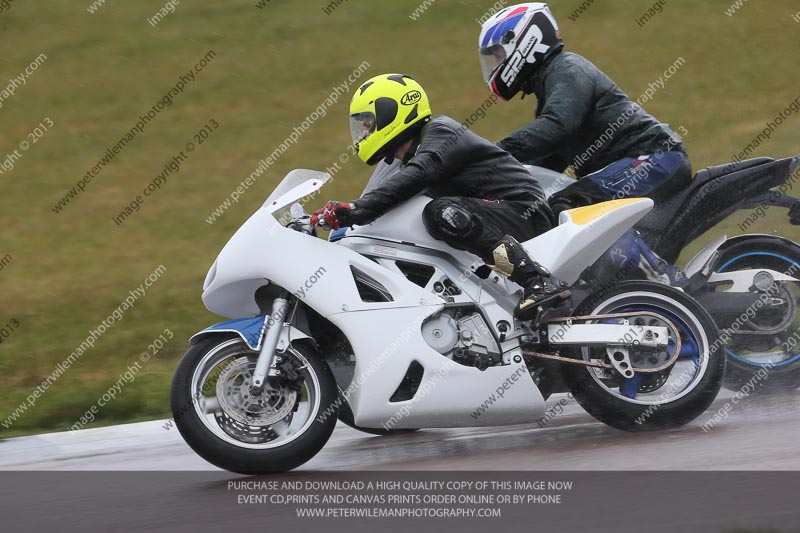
<point>484,200</point>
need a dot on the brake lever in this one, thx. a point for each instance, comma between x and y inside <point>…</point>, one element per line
<point>303,225</point>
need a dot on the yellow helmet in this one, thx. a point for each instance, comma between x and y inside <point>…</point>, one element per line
<point>385,112</point>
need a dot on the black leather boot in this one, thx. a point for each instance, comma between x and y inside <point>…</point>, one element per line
<point>541,290</point>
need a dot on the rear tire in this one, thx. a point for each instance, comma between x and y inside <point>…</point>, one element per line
<point>774,254</point>
<point>600,400</point>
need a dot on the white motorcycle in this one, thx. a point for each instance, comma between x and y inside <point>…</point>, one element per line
<point>390,330</point>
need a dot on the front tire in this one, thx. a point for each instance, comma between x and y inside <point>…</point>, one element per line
<point>650,401</point>
<point>227,426</point>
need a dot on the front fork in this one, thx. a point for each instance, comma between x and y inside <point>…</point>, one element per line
<point>280,308</point>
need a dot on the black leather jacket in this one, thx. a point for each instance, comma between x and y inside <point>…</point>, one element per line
<point>450,160</point>
<point>584,119</point>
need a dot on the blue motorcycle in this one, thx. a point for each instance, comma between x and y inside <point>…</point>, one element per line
<point>749,284</point>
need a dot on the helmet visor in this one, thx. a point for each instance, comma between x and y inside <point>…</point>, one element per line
<point>361,126</point>
<point>491,57</point>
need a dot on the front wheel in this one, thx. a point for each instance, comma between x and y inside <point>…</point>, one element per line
<point>666,399</point>
<point>229,426</point>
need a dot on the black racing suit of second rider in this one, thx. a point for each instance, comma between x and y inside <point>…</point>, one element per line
<point>617,149</point>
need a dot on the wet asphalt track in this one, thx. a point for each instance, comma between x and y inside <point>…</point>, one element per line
<point>761,433</point>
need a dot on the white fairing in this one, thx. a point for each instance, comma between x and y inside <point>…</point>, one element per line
<point>566,250</point>
<point>263,250</point>
<point>383,356</point>
<point>570,247</point>
<point>404,224</point>
<point>386,336</point>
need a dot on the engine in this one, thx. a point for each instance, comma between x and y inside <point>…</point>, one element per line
<point>463,337</point>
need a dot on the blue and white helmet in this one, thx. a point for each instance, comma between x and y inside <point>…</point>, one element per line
<point>514,43</point>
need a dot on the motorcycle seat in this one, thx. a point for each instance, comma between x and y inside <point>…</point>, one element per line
<point>712,173</point>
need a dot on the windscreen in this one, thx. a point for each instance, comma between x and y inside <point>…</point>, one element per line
<point>295,178</point>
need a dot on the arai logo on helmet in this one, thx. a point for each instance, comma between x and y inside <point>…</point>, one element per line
<point>411,97</point>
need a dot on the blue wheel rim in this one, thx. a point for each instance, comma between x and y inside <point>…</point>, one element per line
<point>689,348</point>
<point>731,353</point>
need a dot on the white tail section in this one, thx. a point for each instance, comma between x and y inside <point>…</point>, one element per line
<point>584,234</point>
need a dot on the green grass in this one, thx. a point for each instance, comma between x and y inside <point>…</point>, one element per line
<point>273,67</point>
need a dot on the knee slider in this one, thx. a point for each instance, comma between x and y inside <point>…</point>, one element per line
<point>445,218</point>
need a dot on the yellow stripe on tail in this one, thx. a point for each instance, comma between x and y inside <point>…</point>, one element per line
<point>584,215</point>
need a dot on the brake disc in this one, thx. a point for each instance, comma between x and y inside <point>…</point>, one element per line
<point>274,404</point>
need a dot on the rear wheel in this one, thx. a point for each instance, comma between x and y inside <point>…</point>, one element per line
<point>769,353</point>
<point>229,426</point>
<point>669,398</point>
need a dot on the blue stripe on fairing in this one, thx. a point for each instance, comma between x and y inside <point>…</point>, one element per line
<point>337,234</point>
<point>249,329</point>
<point>730,353</point>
